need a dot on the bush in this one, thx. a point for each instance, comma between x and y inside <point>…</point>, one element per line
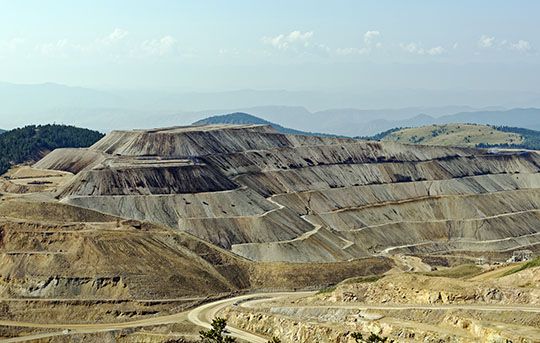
<point>217,334</point>
<point>373,338</point>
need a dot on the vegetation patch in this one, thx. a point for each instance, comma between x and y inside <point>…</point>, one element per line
<point>531,139</point>
<point>530,264</point>
<point>465,135</point>
<point>470,135</point>
<point>30,143</point>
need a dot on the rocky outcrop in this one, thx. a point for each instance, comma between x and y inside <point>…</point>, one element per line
<point>420,289</point>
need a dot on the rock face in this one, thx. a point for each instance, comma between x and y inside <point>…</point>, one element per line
<point>405,307</point>
<point>273,197</point>
<point>421,289</point>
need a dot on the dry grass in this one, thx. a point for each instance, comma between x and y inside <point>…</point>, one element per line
<point>467,135</point>
<point>529,264</point>
<point>458,272</point>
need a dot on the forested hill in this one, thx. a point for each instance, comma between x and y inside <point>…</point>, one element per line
<point>246,118</point>
<point>30,143</point>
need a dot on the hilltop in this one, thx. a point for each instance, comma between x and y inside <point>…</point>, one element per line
<point>274,197</point>
<point>30,143</point>
<point>516,117</point>
<point>245,118</point>
<point>464,135</point>
<point>469,135</point>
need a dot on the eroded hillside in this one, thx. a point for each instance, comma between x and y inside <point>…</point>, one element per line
<point>268,196</point>
<point>146,224</point>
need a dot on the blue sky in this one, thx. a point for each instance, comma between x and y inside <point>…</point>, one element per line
<point>225,45</point>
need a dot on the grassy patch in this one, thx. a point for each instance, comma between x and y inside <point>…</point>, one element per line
<point>462,271</point>
<point>530,264</point>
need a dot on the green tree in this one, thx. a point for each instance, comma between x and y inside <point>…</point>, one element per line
<point>218,332</point>
<point>358,338</point>
<point>373,338</point>
<point>30,143</point>
<point>274,340</point>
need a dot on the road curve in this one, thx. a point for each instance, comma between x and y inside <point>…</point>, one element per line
<point>203,315</point>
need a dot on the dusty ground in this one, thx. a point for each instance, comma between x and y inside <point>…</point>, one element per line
<point>124,237</point>
<point>419,307</point>
<point>63,266</point>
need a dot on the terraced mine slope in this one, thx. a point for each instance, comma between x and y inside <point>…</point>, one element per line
<point>271,197</point>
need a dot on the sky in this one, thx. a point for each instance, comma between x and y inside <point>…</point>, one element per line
<point>338,45</point>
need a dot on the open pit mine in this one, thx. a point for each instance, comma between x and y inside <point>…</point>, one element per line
<point>119,241</point>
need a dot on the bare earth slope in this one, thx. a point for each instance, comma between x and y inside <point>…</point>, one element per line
<point>143,225</point>
<point>273,197</point>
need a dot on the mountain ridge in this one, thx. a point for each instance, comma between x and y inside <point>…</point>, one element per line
<point>246,118</point>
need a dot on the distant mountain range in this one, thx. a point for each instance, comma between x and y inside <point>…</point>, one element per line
<point>527,118</point>
<point>329,112</point>
<point>245,118</point>
<point>519,117</point>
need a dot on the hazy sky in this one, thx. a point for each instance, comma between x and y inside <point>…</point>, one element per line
<point>296,45</point>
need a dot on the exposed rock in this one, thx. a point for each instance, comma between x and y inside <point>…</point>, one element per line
<point>273,197</point>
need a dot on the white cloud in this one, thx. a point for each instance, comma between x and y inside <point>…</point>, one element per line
<point>352,51</point>
<point>486,42</point>
<point>438,50</point>
<point>158,47</point>
<point>114,37</point>
<point>11,46</point>
<point>54,49</point>
<point>521,46</point>
<point>232,51</point>
<point>293,39</point>
<point>411,47</point>
<point>371,36</point>
<point>415,48</point>
<point>370,42</point>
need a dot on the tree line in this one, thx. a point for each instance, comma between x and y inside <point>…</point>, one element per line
<point>30,143</point>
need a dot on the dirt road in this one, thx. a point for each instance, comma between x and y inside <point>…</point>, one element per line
<point>203,315</point>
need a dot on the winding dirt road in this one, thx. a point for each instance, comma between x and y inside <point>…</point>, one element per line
<point>203,315</point>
